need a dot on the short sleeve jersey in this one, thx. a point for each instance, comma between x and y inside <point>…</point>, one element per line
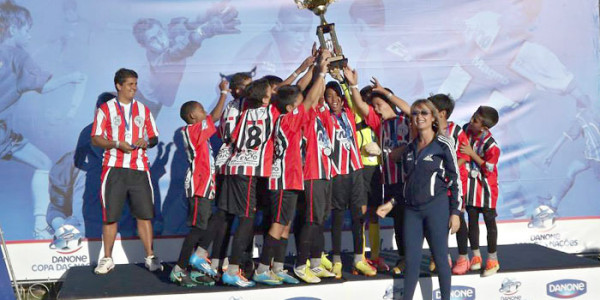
<point>200,177</point>
<point>287,155</point>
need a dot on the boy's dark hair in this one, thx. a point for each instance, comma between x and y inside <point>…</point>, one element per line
<point>256,91</point>
<point>237,80</point>
<point>272,79</point>
<point>186,109</point>
<point>12,15</point>
<point>103,98</point>
<point>335,87</point>
<point>442,102</point>
<point>286,95</point>
<point>489,116</point>
<point>122,74</point>
<point>141,26</point>
<point>367,94</point>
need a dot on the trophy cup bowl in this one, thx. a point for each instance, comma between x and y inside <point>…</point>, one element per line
<point>338,61</point>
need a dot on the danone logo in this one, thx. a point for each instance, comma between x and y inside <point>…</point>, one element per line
<point>566,288</point>
<point>458,292</point>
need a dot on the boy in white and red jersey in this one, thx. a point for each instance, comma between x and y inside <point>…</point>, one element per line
<point>227,123</point>
<point>482,185</point>
<point>125,127</point>
<point>391,128</point>
<point>286,181</point>
<point>445,106</point>
<point>347,182</point>
<point>252,157</point>
<point>200,190</point>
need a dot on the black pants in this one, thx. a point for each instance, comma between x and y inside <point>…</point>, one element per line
<point>489,217</point>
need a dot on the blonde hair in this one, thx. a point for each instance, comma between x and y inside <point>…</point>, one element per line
<point>434,112</point>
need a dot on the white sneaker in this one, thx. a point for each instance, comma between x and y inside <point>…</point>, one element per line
<point>153,263</point>
<point>104,266</point>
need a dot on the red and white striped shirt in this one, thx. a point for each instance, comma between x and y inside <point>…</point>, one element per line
<point>229,120</point>
<point>200,177</point>
<point>482,189</point>
<point>346,155</point>
<point>253,143</point>
<point>287,155</point>
<point>110,123</point>
<point>459,137</point>
<point>317,145</point>
<point>392,134</point>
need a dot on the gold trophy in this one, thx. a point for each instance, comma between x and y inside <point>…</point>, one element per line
<point>338,61</point>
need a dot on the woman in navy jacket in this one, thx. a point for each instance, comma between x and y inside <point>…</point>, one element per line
<point>431,197</point>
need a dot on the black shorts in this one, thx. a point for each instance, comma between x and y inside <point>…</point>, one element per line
<point>317,198</point>
<point>199,212</point>
<point>238,196</point>
<point>123,184</point>
<point>283,205</point>
<point>373,185</point>
<point>348,191</point>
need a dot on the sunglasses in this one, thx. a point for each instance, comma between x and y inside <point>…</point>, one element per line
<point>420,112</point>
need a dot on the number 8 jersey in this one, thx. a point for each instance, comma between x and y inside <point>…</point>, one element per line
<point>253,143</point>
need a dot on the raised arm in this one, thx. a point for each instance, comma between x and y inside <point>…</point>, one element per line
<point>361,106</point>
<point>318,87</point>
<point>399,102</point>
<point>217,111</point>
<point>306,64</point>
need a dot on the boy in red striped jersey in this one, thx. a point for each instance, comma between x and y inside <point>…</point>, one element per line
<point>125,127</point>
<point>392,130</point>
<point>252,157</point>
<point>482,185</point>
<point>347,182</point>
<point>286,181</point>
<point>200,190</point>
<point>445,106</point>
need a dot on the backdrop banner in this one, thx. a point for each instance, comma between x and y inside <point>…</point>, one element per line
<point>535,61</point>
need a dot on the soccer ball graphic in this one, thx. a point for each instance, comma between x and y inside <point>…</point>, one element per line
<point>67,237</point>
<point>543,217</point>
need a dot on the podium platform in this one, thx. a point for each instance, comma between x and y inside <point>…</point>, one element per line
<point>527,272</point>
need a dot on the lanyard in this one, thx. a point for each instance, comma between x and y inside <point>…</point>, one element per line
<point>123,113</point>
<point>324,136</point>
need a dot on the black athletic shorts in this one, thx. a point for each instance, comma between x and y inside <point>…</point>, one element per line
<point>317,197</point>
<point>199,212</point>
<point>123,184</point>
<point>373,185</point>
<point>348,190</point>
<point>238,196</point>
<point>283,205</point>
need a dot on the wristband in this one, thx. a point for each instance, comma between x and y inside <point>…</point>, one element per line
<point>322,75</point>
<point>295,74</point>
<point>354,86</point>
<point>393,202</point>
<point>389,95</point>
<point>116,144</point>
<point>224,92</point>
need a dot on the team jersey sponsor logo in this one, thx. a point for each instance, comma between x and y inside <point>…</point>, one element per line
<point>458,292</point>
<point>139,121</point>
<point>566,288</point>
<point>116,120</point>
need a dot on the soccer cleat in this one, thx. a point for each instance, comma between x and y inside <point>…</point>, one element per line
<point>153,263</point>
<point>287,278</point>
<point>201,278</point>
<point>181,278</point>
<point>237,280</point>
<point>307,275</point>
<point>104,266</point>
<point>202,264</point>
<point>476,263</point>
<point>325,262</point>
<point>268,278</point>
<point>379,264</point>
<point>461,267</point>
<point>399,268</point>
<point>322,272</point>
<point>491,267</point>
<point>362,267</point>
<point>337,270</point>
